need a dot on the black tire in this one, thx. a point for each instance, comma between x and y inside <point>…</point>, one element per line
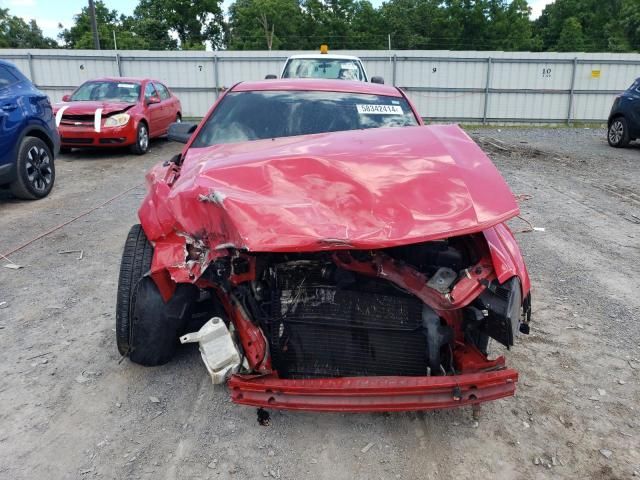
<point>147,328</point>
<point>65,150</point>
<point>618,133</point>
<point>178,118</point>
<point>36,172</point>
<point>142,139</point>
<point>136,261</point>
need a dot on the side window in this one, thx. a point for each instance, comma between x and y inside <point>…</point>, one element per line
<point>162,91</point>
<point>149,91</point>
<point>6,77</point>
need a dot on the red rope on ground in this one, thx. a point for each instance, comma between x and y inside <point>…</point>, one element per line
<point>58,227</point>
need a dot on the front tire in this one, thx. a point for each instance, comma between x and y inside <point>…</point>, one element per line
<point>35,170</point>
<point>142,140</point>
<point>618,133</point>
<point>147,328</point>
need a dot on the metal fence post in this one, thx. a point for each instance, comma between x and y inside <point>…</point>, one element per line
<point>572,90</point>
<point>215,73</point>
<point>118,64</point>
<point>30,60</point>
<point>487,83</point>
<point>393,79</point>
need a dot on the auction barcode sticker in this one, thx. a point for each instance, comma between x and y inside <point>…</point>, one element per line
<point>379,109</point>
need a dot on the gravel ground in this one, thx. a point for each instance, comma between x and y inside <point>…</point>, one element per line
<point>71,409</point>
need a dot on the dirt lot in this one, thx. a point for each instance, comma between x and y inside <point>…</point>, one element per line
<point>69,409</point>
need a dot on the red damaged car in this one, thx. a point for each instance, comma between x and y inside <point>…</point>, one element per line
<point>116,112</point>
<point>346,257</point>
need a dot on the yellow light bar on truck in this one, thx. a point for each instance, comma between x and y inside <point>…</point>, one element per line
<point>324,48</point>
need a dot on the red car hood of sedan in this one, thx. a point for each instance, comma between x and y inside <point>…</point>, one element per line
<point>357,189</point>
<point>89,108</point>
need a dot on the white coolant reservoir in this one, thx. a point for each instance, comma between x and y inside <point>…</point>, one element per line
<point>219,352</point>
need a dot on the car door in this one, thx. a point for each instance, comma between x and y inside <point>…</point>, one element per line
<point>633,105</point>
<point>11,115</point>
<point>168,105</point>
<point>154,110</point>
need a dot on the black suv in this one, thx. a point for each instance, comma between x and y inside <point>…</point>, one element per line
<point>624,119</point>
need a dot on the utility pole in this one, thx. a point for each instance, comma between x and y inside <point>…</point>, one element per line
<point>94,25</point>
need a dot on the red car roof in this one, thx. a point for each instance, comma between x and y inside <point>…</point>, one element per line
<point>314,84</point>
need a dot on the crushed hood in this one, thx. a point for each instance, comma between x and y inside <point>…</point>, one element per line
<point>89,108</point>
<point>358,189</point>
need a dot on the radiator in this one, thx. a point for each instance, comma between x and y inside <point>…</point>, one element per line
<point>331,332</point>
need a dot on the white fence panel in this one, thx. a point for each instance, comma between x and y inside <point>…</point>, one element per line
<point>444,85</point>
<point>446,105</point>
<point>534,106</point>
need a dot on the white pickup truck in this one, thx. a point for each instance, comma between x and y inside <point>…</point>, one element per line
<point>325,65</point>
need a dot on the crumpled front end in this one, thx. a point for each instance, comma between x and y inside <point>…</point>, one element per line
<point>84,124</point>
<point>380,294</point>
<point>401,328</point>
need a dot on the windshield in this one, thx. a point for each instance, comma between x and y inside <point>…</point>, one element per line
<point>335,69</point>
<point>243,116</point>
<point>115,91</point>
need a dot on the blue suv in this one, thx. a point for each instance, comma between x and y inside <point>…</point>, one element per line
<point>29,139</point>
<point>624,119</point>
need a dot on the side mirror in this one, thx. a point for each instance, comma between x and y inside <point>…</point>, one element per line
<point>271,76</point>
<point>181,131</point>
<point>154,99</point>
<point>379,80</point>
<point>66,98</point>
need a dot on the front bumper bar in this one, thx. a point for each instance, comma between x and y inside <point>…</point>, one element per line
<point>372,394</point>
<point>79,137</point>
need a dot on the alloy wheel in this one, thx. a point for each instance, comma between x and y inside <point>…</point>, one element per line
<point>143,138</point>
<point>616,132</point>
<point>39,171</point>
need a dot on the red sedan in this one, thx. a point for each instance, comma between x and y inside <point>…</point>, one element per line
<point>116,112</point>
<point>347,257</point>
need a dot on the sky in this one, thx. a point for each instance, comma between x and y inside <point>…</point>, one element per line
<point>49,13</point>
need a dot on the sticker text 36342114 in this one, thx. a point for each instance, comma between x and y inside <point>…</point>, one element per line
<point>379,109</point>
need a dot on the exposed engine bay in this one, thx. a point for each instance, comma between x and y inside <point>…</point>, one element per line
<point>425,309</point>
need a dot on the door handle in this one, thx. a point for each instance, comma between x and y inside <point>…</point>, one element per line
<point>9,107</point>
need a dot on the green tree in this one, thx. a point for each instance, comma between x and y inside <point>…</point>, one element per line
<point>152,31</point>
<point>422,24</point>
<point>630,23</point>
<point>131,33</point>
<point>342,24</point>
<point>509,27</point>
<point>265,24</point>
<point>16,33</point>
<point>194,22</point>
<point>571,38</point>
<point>604,25</point>
<point>367,30</point>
